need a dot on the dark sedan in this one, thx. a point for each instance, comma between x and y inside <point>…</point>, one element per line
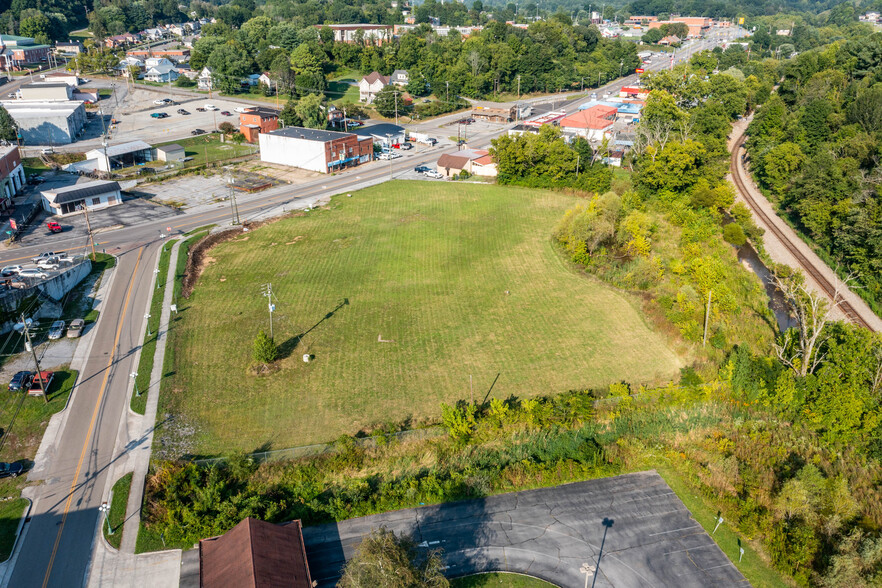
<point>10,470</point>
<point>20,381</point>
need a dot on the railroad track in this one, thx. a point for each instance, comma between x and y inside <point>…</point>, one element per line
<point>801,259</point>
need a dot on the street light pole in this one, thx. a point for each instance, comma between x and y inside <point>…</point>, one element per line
<point>147,317</point>
<point>105,508</point>
<point>134,376</point>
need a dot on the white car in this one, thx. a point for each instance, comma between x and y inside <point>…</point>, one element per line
<point>50,263</point>
<point>384,155</point>
<point>161,101</point>
<point>45,255</point>
<point>241,109</point>
<point>211,107</point>
<point>434,174</point>
<point>33,273</point>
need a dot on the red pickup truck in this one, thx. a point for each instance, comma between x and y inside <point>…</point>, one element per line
<point>43,377</point>
<point>53,227</point>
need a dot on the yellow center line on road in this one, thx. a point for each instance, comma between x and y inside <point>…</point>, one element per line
<point>73,484</point>
<point>59,251</point>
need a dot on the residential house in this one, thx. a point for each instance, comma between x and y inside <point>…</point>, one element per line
<point>127,64</point>
<point>670,40</point>
<point>205,81</point>
<point>251,80</point>
<point>477,162</point>
<point>154,34</point>
<point>122,40</point>
<point>266,80</point>
<point>370,34</point>
<point>370,85</point>
<point>69,47</point>
<point>154,61</point>
<point>163,73</point>
<point>399,77</point>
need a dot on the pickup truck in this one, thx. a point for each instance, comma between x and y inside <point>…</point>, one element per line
<point>53,227</point>
<point>43,377</point>
<point>45,255</point>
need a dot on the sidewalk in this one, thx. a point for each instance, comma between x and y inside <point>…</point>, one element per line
<point>779,252</point>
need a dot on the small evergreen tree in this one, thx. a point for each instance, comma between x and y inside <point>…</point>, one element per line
<point>8,128</point>
<point>265,350</point>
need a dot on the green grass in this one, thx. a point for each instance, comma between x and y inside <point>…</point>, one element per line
<point>117,515</point>
<point>209,149</point>
<point>10,516</point>
<point>105,92</point>
<point>463,279</point>
<point>148,349</point>
<point>24,435</point>
<point>33,166</point>
<point>500,579</point>
<point>341,91</point>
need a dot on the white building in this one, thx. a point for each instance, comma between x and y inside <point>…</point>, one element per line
<point>205,81</point>
<point>162,73</point>
<point>46,92</point>
<point>61,77</point>
<point>91,195</point>
<point>47,122</point>
<point>113,157</point>
<point>315,150</point>
<point>400,78</point>
<point>154,61</point>
<point>370,85</point>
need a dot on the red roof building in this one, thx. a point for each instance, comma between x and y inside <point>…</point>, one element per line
<point>590,123</point>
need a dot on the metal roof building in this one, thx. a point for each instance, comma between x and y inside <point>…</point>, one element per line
<point>119,156</point>
<point>91,195</point>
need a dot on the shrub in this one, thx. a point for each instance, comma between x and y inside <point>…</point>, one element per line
<point>226,128</point>
<point>265,350</point>
<point>734,234</point>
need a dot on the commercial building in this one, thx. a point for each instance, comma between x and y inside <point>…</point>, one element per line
<point>46,91</point>
<point>176,55</point>
<point>173,152</point>
<point>255,554</point>
<point>549,118</point>
<point>592,123</point>
<point>69,47</point>
<point>90,195</point>
<point>385,134</point>
<point>256,120</point>
<point>698,25</point>
<point>489,114</point>
<point>371,34</point>
<point>60,77</point>
<point>12,176</point>
<point>119,156</point>
<point>320,151</point>
<point>18,51</point>
<point>47,123</point>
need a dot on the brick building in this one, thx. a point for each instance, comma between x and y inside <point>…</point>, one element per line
<point>321,151</point>
<point>256,120</point>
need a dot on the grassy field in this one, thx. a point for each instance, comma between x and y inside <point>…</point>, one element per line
<point>10,516</point>
<point>209,148</point>
<point>499,580</point>
<point>403,294</point>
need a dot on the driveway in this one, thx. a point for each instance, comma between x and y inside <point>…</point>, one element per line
<point>649,537</point>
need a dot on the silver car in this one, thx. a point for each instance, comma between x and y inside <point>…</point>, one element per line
<point>56,330</point>
<point>33,273</point>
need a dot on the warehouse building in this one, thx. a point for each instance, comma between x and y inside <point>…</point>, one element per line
<point>46,91</point>
<point>90,195</point>
<point>47,123</point>
<point>119,156</point>
<point>321,151</point>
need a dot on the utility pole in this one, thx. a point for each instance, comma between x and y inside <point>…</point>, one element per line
<point>396,107</point>
<point>706,317</point>
<point>448,91</point>
<point>267,290</point>
<point>27,334</point>
<point>89,229</point>
<point>519,86</point>
<point>234,209</point>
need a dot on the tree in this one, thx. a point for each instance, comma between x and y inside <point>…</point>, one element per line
<point>265,350</point>
<point>289,116</point>
<point>653,36</point>
<point>226,128</point>
<point>8,127</point>
<point>310,111</point>
<point>388,101</point>
<point>384,559</point>
<point>780,165</point>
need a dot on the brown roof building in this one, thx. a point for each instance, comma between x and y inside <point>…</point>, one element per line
<point>255,554</point>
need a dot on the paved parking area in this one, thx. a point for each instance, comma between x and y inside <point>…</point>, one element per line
<point>633,526</point>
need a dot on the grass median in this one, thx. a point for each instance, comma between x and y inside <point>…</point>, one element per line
<point>148,349</point>
<point>116,517</point>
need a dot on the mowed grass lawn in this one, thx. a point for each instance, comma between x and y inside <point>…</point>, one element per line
<point>455,279</point>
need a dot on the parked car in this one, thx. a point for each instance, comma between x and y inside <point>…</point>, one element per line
<point>44,379</point>
<point>182,111</point>
<point>594,95</point>
<point>47,151</point>
<point>10,470</point>
<point>45,255</point>
<point>56,330</point>
<point>53,227</point>
<point>403,146</point>
<point>33,273</point>
<point>50,263</point>
<point>161,101</point>
<point>243,108</point>
<point>226,113</point>
<point>211,107</point>
<point>421,169</point>
<point>75,328</point>
<point>159,115</point>
<point>200,109</point>
<point>197,132</point>
<point>10,270</point>
<point>20,381</point>
<point>434,174</point>
<point>384,155</point>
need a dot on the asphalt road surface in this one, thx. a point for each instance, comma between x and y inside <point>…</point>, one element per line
<point>56,543</point>
<point>632,527</point>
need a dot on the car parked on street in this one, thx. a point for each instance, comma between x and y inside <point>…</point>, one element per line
<point>200,109</point>
<point>56,330</point>
<point>10,270</point>
<point>10,470</point>
<point>20,381</point>
<point>197,132</point>
<point>75,328</point>
<point>226,113</point>
<point>33,273</point>
<point>40,381</point>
